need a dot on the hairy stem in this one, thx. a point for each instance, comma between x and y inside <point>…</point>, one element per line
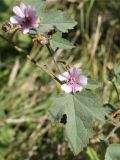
<point>52,55</point>
<point>43,69</point>
<point>32,60</point>
<point>113,131</point>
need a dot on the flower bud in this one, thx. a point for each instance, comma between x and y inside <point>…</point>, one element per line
<point>7,26</point>
<point>40,39</point>
<point>110,66</point>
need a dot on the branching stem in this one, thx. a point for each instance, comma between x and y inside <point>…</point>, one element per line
<point>43,69</point>
<point>32,60</point>
<point>113,131</point>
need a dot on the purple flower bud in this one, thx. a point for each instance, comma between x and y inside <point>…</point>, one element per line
<point>25,17</point>
<point>74,80</point>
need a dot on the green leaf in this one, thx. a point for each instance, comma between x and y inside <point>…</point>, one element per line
<point>117,73</point>
<point>92,85</point>
<point>78,113</point>
<point>113,152</point>
<point>117,70</point>
<point>56,18</point>
<point>58,42</point>
<point>51,18</point>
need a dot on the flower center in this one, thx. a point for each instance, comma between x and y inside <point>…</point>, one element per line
<point>26,21</point>
<point>72,80</point>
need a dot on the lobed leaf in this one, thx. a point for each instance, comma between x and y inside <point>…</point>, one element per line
<point>81,110</point>
<point>56,19</point>
<point>113,152</point>
<point>58,42</point>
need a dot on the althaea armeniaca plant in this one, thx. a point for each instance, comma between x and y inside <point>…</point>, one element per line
<point>78,103</point>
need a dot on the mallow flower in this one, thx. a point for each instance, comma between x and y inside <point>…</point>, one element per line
<point>25,17</point>
<point>73,80</point>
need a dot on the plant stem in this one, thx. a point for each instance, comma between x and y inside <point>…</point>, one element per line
<point>115,123</point>
<point>112,120</point>
<point>43,69</point>
<point>52,55</point>
<point>113,131</point>
<point>32,60</point>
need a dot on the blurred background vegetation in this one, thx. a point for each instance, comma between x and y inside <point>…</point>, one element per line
<point>26,91</point>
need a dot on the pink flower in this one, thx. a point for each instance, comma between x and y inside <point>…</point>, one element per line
<point>26,17</point>
<point>74,80</point>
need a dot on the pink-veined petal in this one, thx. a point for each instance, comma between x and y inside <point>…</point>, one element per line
<point>75,72</point>
<point>64,77</point>
<point>83,80</point>
<point>31,11</point>
<point>34,18</point>
<point>76,88</point>
<point>18,11</point>
<point>15,20</point>
<point>66,88</point>
<point>24,30</point>
<point>22,7</point>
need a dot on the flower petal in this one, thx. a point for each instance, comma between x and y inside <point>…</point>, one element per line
<point>64,77</point>
<point>66,88</point>
<point>17,10</point>
<point>35,25</point>
<point>24,30</point>
<point>22,7</point>
<point>15,20</point>
<point>75,72</point>
<point>31,11</point>
<point>77,88</point>
<point>83,80</point>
